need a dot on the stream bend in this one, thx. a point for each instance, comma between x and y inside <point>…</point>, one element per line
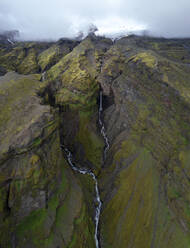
<point>85,171</point>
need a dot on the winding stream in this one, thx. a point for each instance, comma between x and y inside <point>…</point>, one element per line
<point>99,204</point>
<point>103,131</point>
<point>85,171</point>
<point>43,76</point>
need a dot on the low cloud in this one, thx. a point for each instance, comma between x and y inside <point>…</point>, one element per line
<point>47,19</point>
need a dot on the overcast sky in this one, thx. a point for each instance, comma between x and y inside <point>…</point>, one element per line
<point>52,19</point>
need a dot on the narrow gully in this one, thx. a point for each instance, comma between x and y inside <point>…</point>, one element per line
<point>85,171</point>
<point>102,127</point>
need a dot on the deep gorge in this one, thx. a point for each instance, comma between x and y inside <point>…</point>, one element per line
<point>86,171</point>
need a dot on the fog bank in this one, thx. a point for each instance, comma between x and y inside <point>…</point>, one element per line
<point>47,19</point>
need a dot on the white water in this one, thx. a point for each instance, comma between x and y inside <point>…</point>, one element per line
<point>85,171</point>
<point>10,41</point>
<point>103,131</point>
<point>99,204</point>
<point>43,76</point>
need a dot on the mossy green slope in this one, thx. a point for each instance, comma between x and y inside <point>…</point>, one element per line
<point>148,127</point>
<point>20,110</point>
<point>22,57</point>
<point>144,182</point>
<point>76,90</point>
<point>52,55</point>
<point>33,57</point>
<point>42,202</point>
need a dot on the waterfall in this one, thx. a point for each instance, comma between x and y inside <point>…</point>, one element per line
<point>85,171</point>
<point>43,76</point>
<point>103,131</point>
<point>10,41</point>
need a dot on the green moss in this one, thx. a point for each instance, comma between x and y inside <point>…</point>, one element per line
<point>18,185</point>
<point>173,193</point>
<point>147,58</point>
<point>90,140</point>
<point>11,59</point>
<point>84,99</point>
<point>55,200</point>
<point>131,185</point>
<point>138,207</point>
<point>172,50</point>
<point>32,223</point>
<point>37,142</point>
<point>19,90</point>
<point>184,157</point>
<point>83,235</point>
<point>5,235</point>
<point>34,228</point>
<point>76,74</point>
<point>34,159</point>
<point>74,241</point>
<point>29,64</point>
<point>49,57</point>
<point>147,204</point>
<point>52,55</point>
<point>2,199</point>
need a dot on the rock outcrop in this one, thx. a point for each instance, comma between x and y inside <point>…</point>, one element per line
<point>145,182</point>
<point>42,203</point>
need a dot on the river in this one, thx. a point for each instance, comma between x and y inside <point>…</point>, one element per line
<point>85,171</point>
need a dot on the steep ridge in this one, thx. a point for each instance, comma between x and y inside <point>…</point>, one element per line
<point>42,203</point>
<point>60,206</point>
<point>145,181</point>
<point>33,57</point>
<point>135,93</point>
<point>73,82</point>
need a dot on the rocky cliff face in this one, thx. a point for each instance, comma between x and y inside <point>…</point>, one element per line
<point>144,180</point>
